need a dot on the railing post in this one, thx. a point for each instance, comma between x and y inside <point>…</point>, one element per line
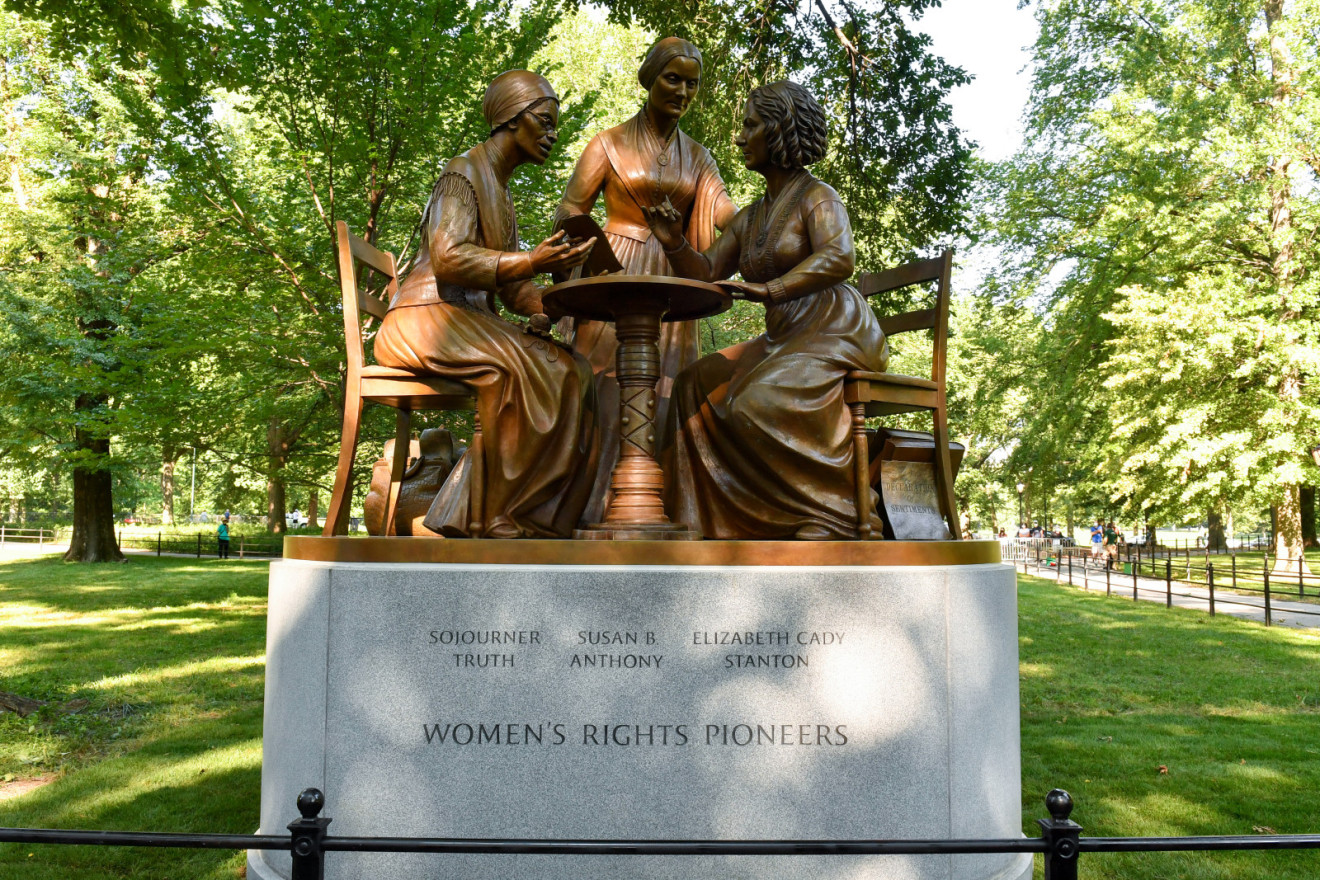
<point>1210,580</point>
<point>157,543</point>
<point>1107,585</point>
<point>1070,583</point>
<point>1134,575</point>
<point>1301,589</point>
<point>308,836</point>
<point>1233,560</point>
<point>1061,835</point>
<point>199,545</point>
<point>1269,621</point>
<point>1168,583</point>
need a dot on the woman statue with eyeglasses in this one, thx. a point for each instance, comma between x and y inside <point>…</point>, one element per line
<point>536,401</point>
<point>646,161</point>
<point>761,444</point>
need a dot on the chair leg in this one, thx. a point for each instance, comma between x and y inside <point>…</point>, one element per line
<point>336,517</point>
<point>861,470</point>
<point>477,482</point>
<point>402,439</point>
<point>944,474</point>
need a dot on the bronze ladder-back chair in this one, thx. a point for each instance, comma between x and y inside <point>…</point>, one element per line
<point>881,394</point>
<point>405,390</point>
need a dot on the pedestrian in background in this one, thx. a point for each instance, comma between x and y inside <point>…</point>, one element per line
<point>222,536</point>
<point>1111,545</point>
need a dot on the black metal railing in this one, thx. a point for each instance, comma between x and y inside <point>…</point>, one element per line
<point>1244,580</point>
<point>202,544</point>
<point>308,842</point>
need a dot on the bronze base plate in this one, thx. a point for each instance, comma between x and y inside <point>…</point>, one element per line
<point>536,551</point>
<point>655,532</point>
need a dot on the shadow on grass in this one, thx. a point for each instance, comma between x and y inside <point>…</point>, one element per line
<point>170,655</point>
<point>1169,722</point>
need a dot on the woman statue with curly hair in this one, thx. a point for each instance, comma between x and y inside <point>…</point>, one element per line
<point>761,444</point>
<point>646,161</point>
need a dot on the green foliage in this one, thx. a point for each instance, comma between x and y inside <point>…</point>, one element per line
<point>1158,220</point>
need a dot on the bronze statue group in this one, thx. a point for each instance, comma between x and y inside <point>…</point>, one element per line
<point>754,440</point>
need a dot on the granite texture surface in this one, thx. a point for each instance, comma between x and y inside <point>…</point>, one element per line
<point>645,702</point>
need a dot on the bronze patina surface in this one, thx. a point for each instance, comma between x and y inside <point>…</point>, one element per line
<point>551,552</point>
<point>762,443</point>
<point>645,161</point>
<point>637,305</point>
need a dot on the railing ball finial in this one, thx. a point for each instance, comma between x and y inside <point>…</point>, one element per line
<point>311,802</point>
<point>1058,802</point>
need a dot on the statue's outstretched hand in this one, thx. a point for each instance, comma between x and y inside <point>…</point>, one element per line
<point>666,224</point>
<point>558,254</point>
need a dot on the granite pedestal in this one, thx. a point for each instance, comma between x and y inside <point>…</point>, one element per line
<point>644,701</point>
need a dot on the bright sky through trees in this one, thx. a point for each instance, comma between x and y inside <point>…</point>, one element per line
<point>987,38</point>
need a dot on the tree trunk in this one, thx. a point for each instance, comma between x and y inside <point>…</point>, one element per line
<point>169,455</point>
<point>277,449</point>
<point>1308,517</point>
<point>311,510</point>
<point>1216,540</point>
<point>1288,533</point>
<point>93,505</point>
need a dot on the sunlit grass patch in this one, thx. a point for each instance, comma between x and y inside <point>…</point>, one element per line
<point>1169,722</point>
<point>165,657</point>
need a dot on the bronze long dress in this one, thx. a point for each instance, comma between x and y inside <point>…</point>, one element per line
<point>633,168</point>
<point>535,400</point>
<point>762,444</point>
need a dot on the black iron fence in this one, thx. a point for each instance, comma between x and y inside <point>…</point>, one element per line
<point>202,544</point>
<point>308,842</point>
<point>1248,580</point>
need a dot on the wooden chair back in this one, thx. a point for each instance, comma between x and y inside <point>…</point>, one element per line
<point>936,269</point>
<point>357,303</point>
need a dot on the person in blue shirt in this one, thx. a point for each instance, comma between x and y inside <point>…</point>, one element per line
<point>222,534</point>
<point>1097,541</point>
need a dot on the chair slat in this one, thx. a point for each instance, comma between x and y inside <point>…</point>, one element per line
<point>372,306</point>
<point>923,319</point>
<point>373,257</point>
<point>900,276</point>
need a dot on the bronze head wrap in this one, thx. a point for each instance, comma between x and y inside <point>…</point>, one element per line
<point>511,93</point>
<point>661,54</point>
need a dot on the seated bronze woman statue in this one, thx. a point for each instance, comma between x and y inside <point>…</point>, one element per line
<point>536,401</point>
<point>761,444</point>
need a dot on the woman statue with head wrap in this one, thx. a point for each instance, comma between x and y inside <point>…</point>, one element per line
<point>535,400</point>
<point>761,444</point>
<point>644,162</point>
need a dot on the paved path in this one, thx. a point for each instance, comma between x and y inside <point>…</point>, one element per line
<point>1302,615</point>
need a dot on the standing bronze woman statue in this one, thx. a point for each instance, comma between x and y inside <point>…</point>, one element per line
<point>761,444</point>
<point>646,161</point>
<point>535,400</point>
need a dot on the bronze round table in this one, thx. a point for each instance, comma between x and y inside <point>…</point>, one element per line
<point>637,304</point>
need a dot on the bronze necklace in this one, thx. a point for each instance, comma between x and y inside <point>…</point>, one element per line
<point>662,157</point>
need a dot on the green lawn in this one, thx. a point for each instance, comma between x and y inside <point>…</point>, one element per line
<point>1169,722</point>
<point>169,655</point>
